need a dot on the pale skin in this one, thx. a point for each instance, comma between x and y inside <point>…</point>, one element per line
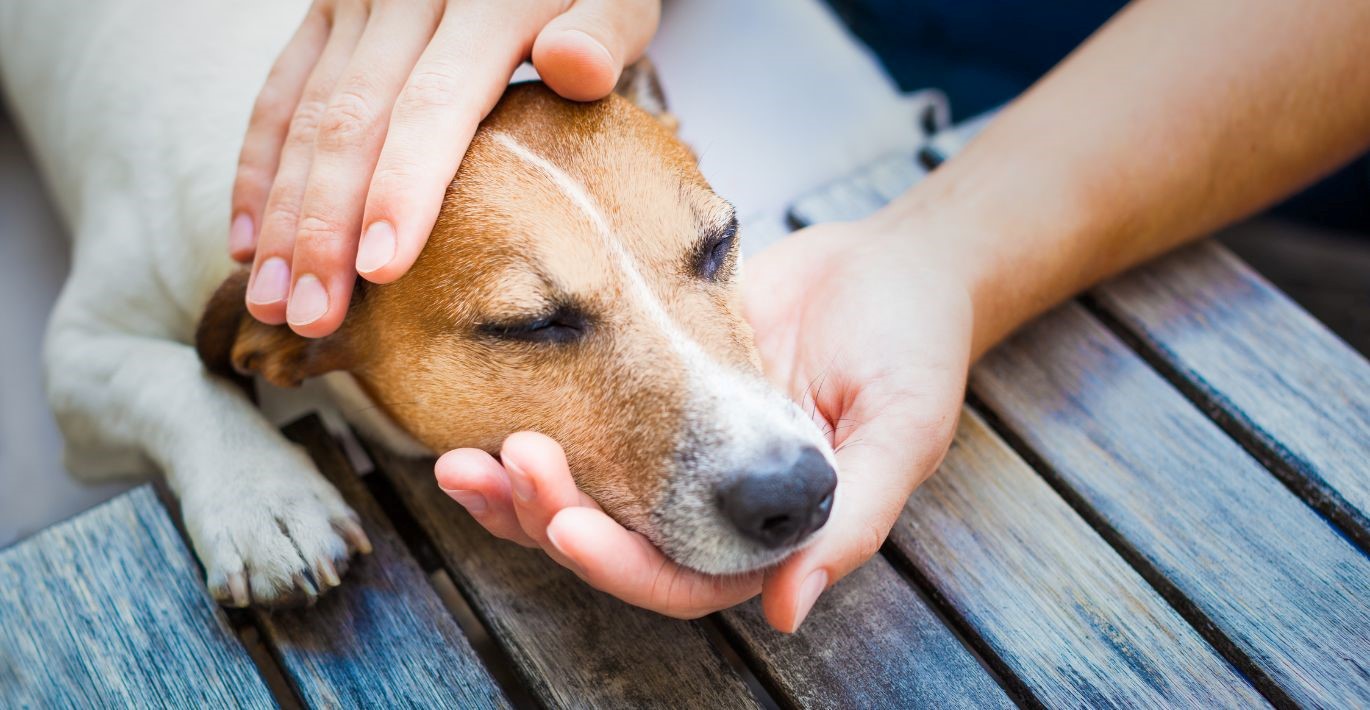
<point>1174,119</point>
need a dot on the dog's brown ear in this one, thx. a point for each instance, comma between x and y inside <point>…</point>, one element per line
<point>233,344</point>
<point>639,84</point>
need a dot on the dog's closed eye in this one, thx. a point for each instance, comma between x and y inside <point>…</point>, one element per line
<point>715,250</point>
<point>563,325</point>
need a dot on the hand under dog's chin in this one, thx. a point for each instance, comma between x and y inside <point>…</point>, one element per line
<point>724,554</point>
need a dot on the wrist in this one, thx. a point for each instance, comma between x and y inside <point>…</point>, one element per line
<point>1012,243</point>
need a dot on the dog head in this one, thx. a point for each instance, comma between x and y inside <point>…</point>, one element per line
<point>581,281</point>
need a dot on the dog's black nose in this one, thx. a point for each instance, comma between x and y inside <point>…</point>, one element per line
<point>781,500</point>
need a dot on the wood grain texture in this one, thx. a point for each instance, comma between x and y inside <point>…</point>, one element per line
<point>383,638</point>
<point>108,610</point>
<point>1059,609</point>
<point>1268,579</point>
<point>871,641</point>
<point>574,646</point>
<point>1063,618</point>
<point>1271,374</point>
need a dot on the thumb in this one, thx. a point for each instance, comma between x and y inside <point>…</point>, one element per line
<point>581,52</point>
<point>877,471</point>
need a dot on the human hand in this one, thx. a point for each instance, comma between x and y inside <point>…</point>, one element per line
<point>873,336</point>
<point>860,330</point>
<point>366,116</point>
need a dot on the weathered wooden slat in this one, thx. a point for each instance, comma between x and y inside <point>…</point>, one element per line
<point>1063,617</point>
<point>1059,609</point>
<point>108,610</point>
<point>383,638</point>
<point>870,642</point>
<point>574,646</point>
<point>1272,375</point>
<point>1272,582</point>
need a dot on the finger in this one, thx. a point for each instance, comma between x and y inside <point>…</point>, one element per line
<point>270,283</point>
<point>346,147</point>
<point>457,80</point>
<point>581,53</point>
<point>626,565</point>
<point>877,472</point>
<point>541,482</point>
<point>266,130</point>
<point>476,480</point>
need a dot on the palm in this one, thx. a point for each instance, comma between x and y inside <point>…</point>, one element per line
<point>876,347</point>
<point>849,331</point>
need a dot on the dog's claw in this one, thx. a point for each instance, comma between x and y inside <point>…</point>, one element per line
<point>237,589</point>
<point>356,537</point>
<point>303,586</point>
<point>326,574</point>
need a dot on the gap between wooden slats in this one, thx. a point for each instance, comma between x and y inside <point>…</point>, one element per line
<point>870,641</point>
<point>107,610</point>
<point>866,644</point>
<point>1022,570</point>
<point>1282,593</point>
<point>573,646</point>
<point>1272,376</point>
<point>382,637</point>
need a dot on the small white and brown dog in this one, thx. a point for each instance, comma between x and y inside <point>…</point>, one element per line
<point>581,281</point>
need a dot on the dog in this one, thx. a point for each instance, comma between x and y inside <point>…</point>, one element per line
<point>581,281</point>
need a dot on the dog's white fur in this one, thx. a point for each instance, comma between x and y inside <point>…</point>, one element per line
<point>140,174</point>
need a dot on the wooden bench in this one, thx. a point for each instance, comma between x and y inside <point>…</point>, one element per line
<point>1158,495</point>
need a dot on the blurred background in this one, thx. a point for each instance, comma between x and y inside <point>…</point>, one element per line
<point>793,94</point>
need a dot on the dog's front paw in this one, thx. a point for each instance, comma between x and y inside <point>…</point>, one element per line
<point>272,539</point>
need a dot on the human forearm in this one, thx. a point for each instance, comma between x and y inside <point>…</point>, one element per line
<point>1175,119</point>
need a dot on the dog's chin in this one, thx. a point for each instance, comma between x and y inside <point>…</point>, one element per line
<point>724,552</point>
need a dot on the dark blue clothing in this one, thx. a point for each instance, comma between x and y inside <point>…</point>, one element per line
<point>983,53</point>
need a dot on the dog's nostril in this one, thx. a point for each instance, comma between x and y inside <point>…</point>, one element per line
<point>781,500</point>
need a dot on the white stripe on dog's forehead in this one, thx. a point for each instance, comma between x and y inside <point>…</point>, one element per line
<point>741,405</point>
<point>568,186</point>
<point>576,193</point>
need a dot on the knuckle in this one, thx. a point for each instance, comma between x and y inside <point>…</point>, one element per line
<point>252,175</point>
<point>318,234</point>
<point>390,179</point>
<point>348,119</point>
<point>305,123</point>
<point>281,214</point>
<point>270,104</point>
<point>868,543</point>
<point>430,89</point>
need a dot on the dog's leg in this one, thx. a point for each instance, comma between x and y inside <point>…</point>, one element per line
<point>266,525</point>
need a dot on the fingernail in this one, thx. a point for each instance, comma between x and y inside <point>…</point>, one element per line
<point>552,538</point>
<point>308,302</point>
<point>813,586</point>
<point>473,502</point>
<point>520,482</point>
<point>570,561</point>
<point>377,247</point>
<point>240,234</point>
<point>596,44</point>
<point>272,282</point>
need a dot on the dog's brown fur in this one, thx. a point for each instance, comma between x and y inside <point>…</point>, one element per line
<point>506,248</point>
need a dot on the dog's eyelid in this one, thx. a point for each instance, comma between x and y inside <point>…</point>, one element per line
<point>712,251</point>
<point>560,325</point>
